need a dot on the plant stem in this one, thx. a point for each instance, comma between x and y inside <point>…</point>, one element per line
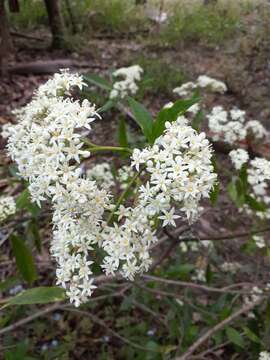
<point>122,196</point>
<point>110,148</point>
<point>94,147</point>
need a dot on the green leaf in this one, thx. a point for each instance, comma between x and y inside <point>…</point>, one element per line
<point>24,259</point>
<point>243,175</point>
<point>254,204</point>
<point>143,118</point>
<point>32,232</point>
<point>209,274</point>
<point>122,133</point>
<point>232,191</point>
<point>180,271</point>
<point>251,335</point>
<point>214,194</point>
<point>235,337</point>
<point>236,192</point>
<point>24,202</point>
<point>108,105</point>
<point>197,120</point>
<point>171,114</point>
<point>22,199</point>
<point>8,283</point>
<point>98,81</point>
<point>38,295</point>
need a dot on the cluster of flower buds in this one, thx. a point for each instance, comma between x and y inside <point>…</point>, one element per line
<point>128,85</point>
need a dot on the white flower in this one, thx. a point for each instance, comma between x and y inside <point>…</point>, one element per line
<point>259,241</point>
<point>258,179</point>
<point>7,207</point>
<point>185,89</point>
<point>199,275</point>
<point>264,355</point>
<point>256,129</point>
<point>239,157</point>
<point>227,126</point>
<point>168,105</point>
<point>203,82</point>
<point>168,217</point>
<point>214,85</point>
<point>128,85</point>
<point>231,267</point>
<point>231,126</point>
<point>6,130</point>
<point>194,109</point>
<point>179,164</point>
<point>255,295</point>
<point>102,174</point>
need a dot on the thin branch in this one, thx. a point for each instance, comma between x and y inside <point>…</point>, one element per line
<point>194,286</point>
<point>227,236</point>
<point>114,333</point>
<point>175,240</point>
<point>54,307</point>
<point>245,309</point>
<point>30,318</point>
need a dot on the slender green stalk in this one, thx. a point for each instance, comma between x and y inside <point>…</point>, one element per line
<point>94,147</point>
<point>123,195</point>
<point>110,148</point>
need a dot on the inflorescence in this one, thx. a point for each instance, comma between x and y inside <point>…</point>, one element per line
<point>48,148</point>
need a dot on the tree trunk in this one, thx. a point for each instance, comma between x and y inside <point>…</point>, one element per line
<point>6,45</point>
<point>71,16</point>
<point>56,23</point>
<point>14,6</point>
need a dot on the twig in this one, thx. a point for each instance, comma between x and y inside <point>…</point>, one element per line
<point>155,315</point>
<point>175,240</point>
<point>210,351</point>
<point>30,318</point>
<point>103,324</point>
<point>54,307</point>
<point>228,236</point>
<point>193,285</point>
<point>246,308</point>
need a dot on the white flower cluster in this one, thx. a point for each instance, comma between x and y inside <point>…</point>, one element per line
<point>47,147</point>
<point>214,85</point>
<point>231,126</point>
<point>6,130</point>
<point>264,355</point>
<point>102,174</point>
<point>194,109</point>
<point>180,171</point>
<point>259,241</point>
<point>128,85</point>
<point>199,275</point>
<point>7,207</point>
<point>78,209</point>
<point>125,173</point>
<point>239,157</point>
<point>203,82</point>
<point>231,267</point>
<point>258,179</point>
<point>255,295</point>
<point>46,144</point>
